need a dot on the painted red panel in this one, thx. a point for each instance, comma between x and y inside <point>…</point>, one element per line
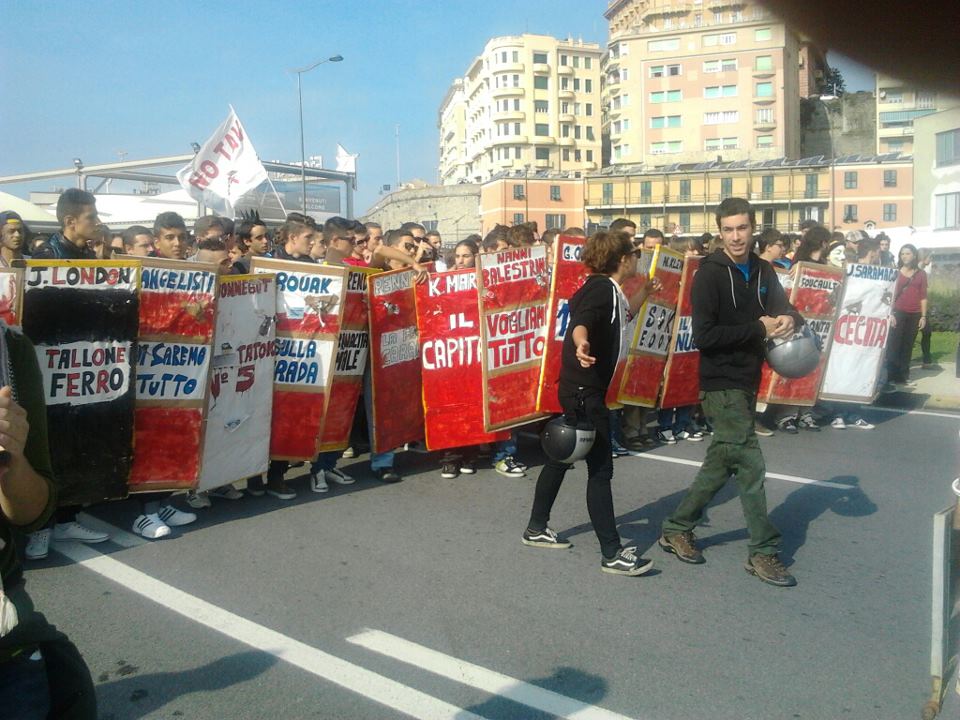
<point>395,361</point>
<point>189,315</point>
<point>166,448</point>
<point>11,294</point>
<point>296,420</point>
<point>448,321</point>
<point>512,286</point>
<point>569,274</point>
<point>681,379</point>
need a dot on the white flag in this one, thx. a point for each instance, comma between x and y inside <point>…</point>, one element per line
<point>226,167</point>
<point>345,161</point>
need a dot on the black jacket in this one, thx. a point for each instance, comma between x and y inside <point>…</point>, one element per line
<point>594,307</point>
<point>726,320</point>
<point>58,247</point>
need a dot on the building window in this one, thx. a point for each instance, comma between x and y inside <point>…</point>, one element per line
<point>566,154</point>
<point>720,39</point>
<point>659,71</point>
<point>948,148</point>
<point>541,82</point>
<point>763,89</point>
<point>889,212</point>
<point>645,220</point>
<point>588,63</point>
<point>576,81</point>
<point>541,130</point>
<point>540,58</point>
<point>542,153</point>
<point>889,178</point>
<point>518,192</point>
<point>947,211</point>
<point>563,59</point>
<point>766,185</point>
<point>576,156</point>
<point>762,34</point>
<point>850,180</point>
<point>608,193</point>
<point>576,61</point>
<point>564,131</point>
<point>555,192</point>
<point>588,85</point>
<point>763,62</point>
<point>717,91</point>
<point>589,109</point>
<point>926,100</point>
<point>891,96</point>
<point>662,121</point>
<point>589,155</point>
<point>811,189</point>
<point>541,106</point>
<point>726,187</point>
<point>564,83</point>
<point>684,221</point>
<point>576,132</point>
<point>720,118</point>
<point>516,152</point>
<point>764,116</point>
<point>516,128</point>
<point>764,141</point>
<point>666,96</point>
<point>850,214</point>
<point>684,194</point>
<point>516,81</point>
<point>659,45</point>
<point>663,148</point>
<point>590,132</point>
<point>556,221</point>
<point>518,219</point>
<point>645,191</point>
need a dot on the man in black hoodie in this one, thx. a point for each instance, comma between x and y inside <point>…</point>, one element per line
<point>737,303</point>
<point>79,227</point>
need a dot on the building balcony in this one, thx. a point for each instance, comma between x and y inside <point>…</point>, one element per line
<point>543,140</point>
<point>566,94</point>
<point>723,4</point>
<point>509,140</point>
<point>541,69</point>
<point>516,67</point>
<point>505,163</point>
<point>895,132</point>
<point>566,142</point>
<point>763,74</point>
<point>764,124</point>
<point>765,100</point>
<point>677,8</point>
<point>567,118</point>
<point>509,115</point>
<point>565,70</point>
<point>541,163</point>
<point>507,92</point>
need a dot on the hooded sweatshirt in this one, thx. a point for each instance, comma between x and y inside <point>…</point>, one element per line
<point>726,320</point>
<point>597,306</point>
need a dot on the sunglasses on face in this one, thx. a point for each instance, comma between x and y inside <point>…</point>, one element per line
<point>361,241</point>
<point>409,247</point>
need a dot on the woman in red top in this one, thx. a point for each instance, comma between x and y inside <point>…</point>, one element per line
<point>909,315</point>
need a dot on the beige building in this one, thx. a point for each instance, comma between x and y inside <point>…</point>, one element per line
<point>898,105</point>
<point>692,80</point>
<point>551,200</point>
<point>937,179</point>
<point>527,102</point>
<point>845,194</point>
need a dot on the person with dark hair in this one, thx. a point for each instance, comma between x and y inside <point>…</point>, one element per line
<point>651,239</point>
<point>496,239</point>
<point>138,241</point>
<point>465,254</point>
<point>254,237</point>
<point>772,247</point>
<point>375,235</point>
<point>520,236</point>
<point>909,316</point>
<point>79,228</point>
<point>574,231</point>
<point>416,230</point>
<point>170,236</point>
<point>624,225</point>
<point>12,236</point>
<point>229,235</point>
<point>886,257</point>
<point>594,340</point>
<point>812,245</point>
<point>806,225</point>
<point>737,303</point>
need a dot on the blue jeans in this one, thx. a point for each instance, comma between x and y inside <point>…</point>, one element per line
<point>506,448</point>
<point>24,691</point>
<point>380,460</point>
<point>616,427</point>
<point>682,421</point>
<point>325,461</point>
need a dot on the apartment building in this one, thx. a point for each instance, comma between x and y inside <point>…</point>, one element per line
<point>552,200</point>
<point>692,80</point>
<point>937,180</point>
<point>847,193</point>
<point>898,105</point>
<point>527,102</point>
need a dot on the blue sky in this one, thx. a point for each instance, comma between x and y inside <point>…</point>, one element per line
<point>148,78</point>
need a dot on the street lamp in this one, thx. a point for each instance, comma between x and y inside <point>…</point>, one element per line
<point>303,155</point>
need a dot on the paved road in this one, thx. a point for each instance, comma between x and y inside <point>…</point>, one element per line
<point>418,599</point>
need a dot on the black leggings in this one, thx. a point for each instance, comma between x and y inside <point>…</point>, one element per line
<point>900,345</point>
<point>599,474</point>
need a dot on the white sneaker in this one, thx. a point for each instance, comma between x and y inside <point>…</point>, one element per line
<point>150,526</point>
<point>174,517</point>
<point>78,532</point>
<point>838,423</point>
<point>198,500</point>
<point>861,424</point>
<point>349,453</point>
<point>38,544</point>
<point>339,477</point>
<point>318,482</point>
<point>226,492</point>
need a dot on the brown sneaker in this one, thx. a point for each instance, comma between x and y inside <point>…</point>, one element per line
<point>683,545</point>
<point>769,569</point>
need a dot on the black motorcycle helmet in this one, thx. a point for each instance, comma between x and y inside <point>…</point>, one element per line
<point>567,438</point>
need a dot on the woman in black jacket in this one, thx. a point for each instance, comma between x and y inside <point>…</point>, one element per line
<point>596,337</point>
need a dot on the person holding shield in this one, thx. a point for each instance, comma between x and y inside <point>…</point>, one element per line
<point>595,339</point>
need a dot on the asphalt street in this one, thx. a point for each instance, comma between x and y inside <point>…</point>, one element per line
<point>418,599</point>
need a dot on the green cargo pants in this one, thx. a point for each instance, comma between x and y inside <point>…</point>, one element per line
<point>734,451</point>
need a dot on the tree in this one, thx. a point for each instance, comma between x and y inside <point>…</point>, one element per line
<point>832,83</point>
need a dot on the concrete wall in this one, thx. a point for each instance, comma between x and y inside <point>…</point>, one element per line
<point>455,208</point>
<point>840,126</point>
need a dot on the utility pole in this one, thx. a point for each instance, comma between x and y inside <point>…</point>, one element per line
<point>397,129</point>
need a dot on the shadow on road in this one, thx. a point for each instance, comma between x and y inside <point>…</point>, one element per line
<point>579,686</point>
<point>131,696</point>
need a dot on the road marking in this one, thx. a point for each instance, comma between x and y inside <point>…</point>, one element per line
<point>354,678</point>
<point>480,677</point>
<point>776,476</point>
<point>930,413</point>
